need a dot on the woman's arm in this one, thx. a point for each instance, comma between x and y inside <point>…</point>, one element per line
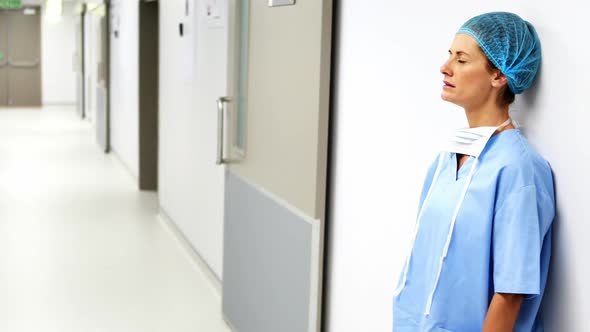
<point>502,312</point>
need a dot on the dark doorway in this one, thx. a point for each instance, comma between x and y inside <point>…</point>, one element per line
<point>148,94</point>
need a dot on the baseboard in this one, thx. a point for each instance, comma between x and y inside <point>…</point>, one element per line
<point>231,327</point>
<point>195,257</point>
<point>135,178</point>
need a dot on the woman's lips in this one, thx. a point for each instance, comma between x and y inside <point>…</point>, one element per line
<point>448,85</point>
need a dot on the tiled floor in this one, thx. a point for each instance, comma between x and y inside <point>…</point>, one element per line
<point>81,249</point>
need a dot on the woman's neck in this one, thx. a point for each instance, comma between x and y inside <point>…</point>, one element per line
<point>488,115</point>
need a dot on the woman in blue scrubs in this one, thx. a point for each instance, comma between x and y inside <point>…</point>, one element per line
<point>482,239</point>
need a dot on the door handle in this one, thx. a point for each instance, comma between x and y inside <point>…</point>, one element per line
<point>220,128</point>
<point>23,64</point>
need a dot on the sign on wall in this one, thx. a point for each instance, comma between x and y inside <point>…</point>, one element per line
<point>10,4</point>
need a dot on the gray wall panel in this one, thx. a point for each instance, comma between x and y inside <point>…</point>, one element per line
<point>266,266</point>
<point>101,117</point>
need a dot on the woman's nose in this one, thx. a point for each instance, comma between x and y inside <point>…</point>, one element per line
<point>445,70</point>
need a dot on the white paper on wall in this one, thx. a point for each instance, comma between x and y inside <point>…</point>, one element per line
<point>189,40</point>
<point>214,14</point>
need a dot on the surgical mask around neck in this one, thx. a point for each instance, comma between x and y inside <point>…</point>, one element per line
<point>472,141</point>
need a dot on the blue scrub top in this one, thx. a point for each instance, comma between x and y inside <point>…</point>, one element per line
<point>501,242</point>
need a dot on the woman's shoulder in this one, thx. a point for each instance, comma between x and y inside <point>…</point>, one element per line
<point>518,161</point>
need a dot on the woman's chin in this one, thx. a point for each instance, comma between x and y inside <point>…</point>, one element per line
<point>446,97</point>
<point>451,99</point>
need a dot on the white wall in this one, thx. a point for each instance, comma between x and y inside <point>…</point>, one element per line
<point>58,45</point>
<point>389,118</point>
<point>92,53</point>
<point>124,72</point>
<point>89,65</point>
<point>193,72</point>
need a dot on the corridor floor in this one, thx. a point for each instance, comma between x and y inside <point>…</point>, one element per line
<point>81,249</point>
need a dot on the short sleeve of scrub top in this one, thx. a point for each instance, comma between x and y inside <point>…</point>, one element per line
<point>522,219</point>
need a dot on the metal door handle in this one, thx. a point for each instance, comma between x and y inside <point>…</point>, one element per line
<point>220,124</point>
<point>23,64</point>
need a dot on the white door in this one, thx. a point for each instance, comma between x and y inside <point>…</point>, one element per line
<point>193,60</point>
<point>89,61</point>
<point>79,63</point>
<point>101,77</point>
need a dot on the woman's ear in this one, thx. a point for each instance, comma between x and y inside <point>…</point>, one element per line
<point>499,80</point>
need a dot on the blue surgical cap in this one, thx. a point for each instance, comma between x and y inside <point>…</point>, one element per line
<point>510,43</point>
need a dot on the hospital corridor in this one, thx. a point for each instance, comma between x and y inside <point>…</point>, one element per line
<point>293,166</point>
<point>82,249</point>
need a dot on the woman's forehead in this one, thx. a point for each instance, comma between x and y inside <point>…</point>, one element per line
<point>464,43</point>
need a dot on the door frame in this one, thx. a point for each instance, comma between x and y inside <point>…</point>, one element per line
<point>4,60</point>
<point>107,70</point>
<point>81,75</point>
